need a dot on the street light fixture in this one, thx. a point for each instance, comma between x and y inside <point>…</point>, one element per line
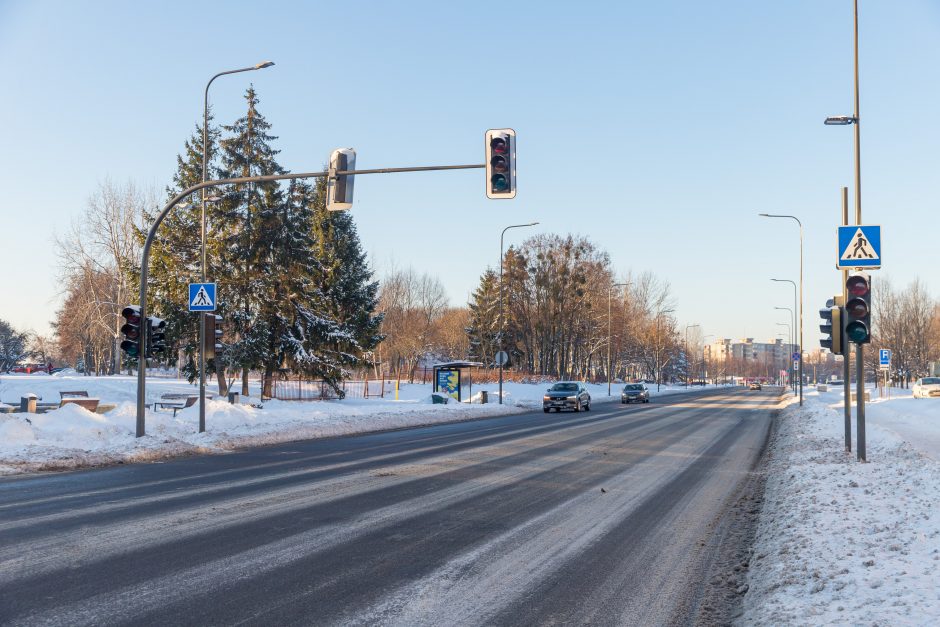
<point>775,215</point>
<point>687,327</point>
<point>704,368</point>
<point>609,292</point>
<point>500,335</point>
<point>659,350</point>
<point>205,199</point>
<point>793,328</point>
<point>840,120</point>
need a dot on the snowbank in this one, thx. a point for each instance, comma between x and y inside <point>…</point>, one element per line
<point>841,542</point>
<point>72,437</point>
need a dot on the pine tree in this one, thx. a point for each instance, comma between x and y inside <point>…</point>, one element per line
<point>333,320</point>
<point>248,216</point>
<point>483,328</point>
<point>175,258</point>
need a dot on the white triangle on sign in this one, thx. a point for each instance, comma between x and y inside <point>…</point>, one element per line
<point>859,248</point>
<point>201,299</point>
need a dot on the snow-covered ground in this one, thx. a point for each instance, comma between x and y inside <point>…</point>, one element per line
<point>72,437</point>
<point>843,542</point>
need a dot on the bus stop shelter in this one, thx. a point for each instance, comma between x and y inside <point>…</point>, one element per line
<point>455,379</point>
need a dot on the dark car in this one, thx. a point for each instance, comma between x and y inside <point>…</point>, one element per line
<point>635,393</point>
<point>566,395</point>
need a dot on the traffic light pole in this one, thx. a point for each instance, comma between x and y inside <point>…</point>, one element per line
<point>847,349</point>
<point>151,234</point>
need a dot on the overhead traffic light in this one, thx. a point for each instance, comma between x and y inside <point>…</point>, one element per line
<point>156,337</point>
<point>857,323</point>
<point>339,189</point>
<point>832,327</point>
<point>213,340</point>
<point>501,163</point>
<point>131,330</point>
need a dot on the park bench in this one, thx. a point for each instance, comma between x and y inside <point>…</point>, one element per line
<point>73,393</point>
<point>176,402</point>
<point>91,404</point>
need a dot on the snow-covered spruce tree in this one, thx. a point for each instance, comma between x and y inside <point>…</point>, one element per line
<point>332,320</point>
<point>175,254</point>
<point>249,234</point>
<point>483,327</point>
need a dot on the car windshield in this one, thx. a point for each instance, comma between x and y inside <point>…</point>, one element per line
<point>931,381</point>
<point>565,387</point>
<point>635,388</point>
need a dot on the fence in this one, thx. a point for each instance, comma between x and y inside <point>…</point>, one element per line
<point>300,390</point>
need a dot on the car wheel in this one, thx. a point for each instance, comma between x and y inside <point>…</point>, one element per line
<point>647,401</point>
<point>588,406</point>
<point>545,409</point>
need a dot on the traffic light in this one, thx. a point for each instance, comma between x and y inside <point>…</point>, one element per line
<point>858,308</point>
<point>501,163</point>
<point>213,340</point>
<point>339,189</point>
<point>131,330</point>
<point>832,327</point>
<point>156,337</point>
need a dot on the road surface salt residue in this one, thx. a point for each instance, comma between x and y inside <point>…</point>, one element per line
<point>843,542</point>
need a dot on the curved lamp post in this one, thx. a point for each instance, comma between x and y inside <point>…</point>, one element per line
<point>514,226</point>
<point>609,292</point>
<point>800,348</point>
<point>205,199</point>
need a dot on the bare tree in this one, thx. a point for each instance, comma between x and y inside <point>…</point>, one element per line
<point>95,256</point>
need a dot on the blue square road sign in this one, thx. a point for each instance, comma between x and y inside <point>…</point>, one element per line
<point>202,296</point>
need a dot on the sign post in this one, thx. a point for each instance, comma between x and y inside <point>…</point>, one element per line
<point>202,298</point>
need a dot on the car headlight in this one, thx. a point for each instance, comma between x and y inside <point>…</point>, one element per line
<point>572,398</point>
<point>546,398</point>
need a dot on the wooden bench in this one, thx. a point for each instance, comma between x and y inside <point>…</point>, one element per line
<point>73,393</point>
<point>172,401</point>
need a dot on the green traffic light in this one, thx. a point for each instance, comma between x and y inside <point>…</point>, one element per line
<point>500,183</point>
<point>857,332</point>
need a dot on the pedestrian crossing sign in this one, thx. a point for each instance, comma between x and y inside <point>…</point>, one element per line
<point>859,247</point>
<point>202,296</point>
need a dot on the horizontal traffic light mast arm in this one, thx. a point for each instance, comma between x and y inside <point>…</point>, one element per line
<point>151,234</point>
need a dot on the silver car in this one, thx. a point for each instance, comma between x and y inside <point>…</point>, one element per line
<point>635,393</point>
<point>566,395</point>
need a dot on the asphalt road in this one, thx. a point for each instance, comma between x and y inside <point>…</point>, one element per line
<point>601,517</point>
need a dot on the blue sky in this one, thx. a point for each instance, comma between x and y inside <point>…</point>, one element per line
<point>659,130</point>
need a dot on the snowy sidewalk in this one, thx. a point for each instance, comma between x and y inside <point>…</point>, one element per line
<point>841,542</point>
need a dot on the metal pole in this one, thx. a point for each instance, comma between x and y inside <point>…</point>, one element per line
<point>500,334</point>
<point>801,311</point>
<point>860,348</point>
<point>847,349</point>
<point>609,291</point>
<point>205,167</point>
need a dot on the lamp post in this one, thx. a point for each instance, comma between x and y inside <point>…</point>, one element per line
<point>687,327</point>
<point>659,348</point>
<point>205,199</point>
<point>609,291</point>
<point>800,348</point>
<point>514,226</point>
<point>793,337</point>
<point>843,120</point>
<point>704,365</point>
<point>793,283</point>
<point>786,361</point>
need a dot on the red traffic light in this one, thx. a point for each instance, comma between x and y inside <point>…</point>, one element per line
<point>857,285</point>
<point>132,314</point>
<point>499,145</point>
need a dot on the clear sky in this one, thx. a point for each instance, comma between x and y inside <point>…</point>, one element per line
<point>659,130</point>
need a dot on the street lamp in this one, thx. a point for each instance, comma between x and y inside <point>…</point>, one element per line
<point>793,283</point>
<point>786,361</point>
<point>609,291</point>
<point>500,335</point>
<point>843,120</point>
<point>774,215</point>
<point>205,199</point>
<point>704,368</point>
<point>659,351</point>
<point>687,327</point>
